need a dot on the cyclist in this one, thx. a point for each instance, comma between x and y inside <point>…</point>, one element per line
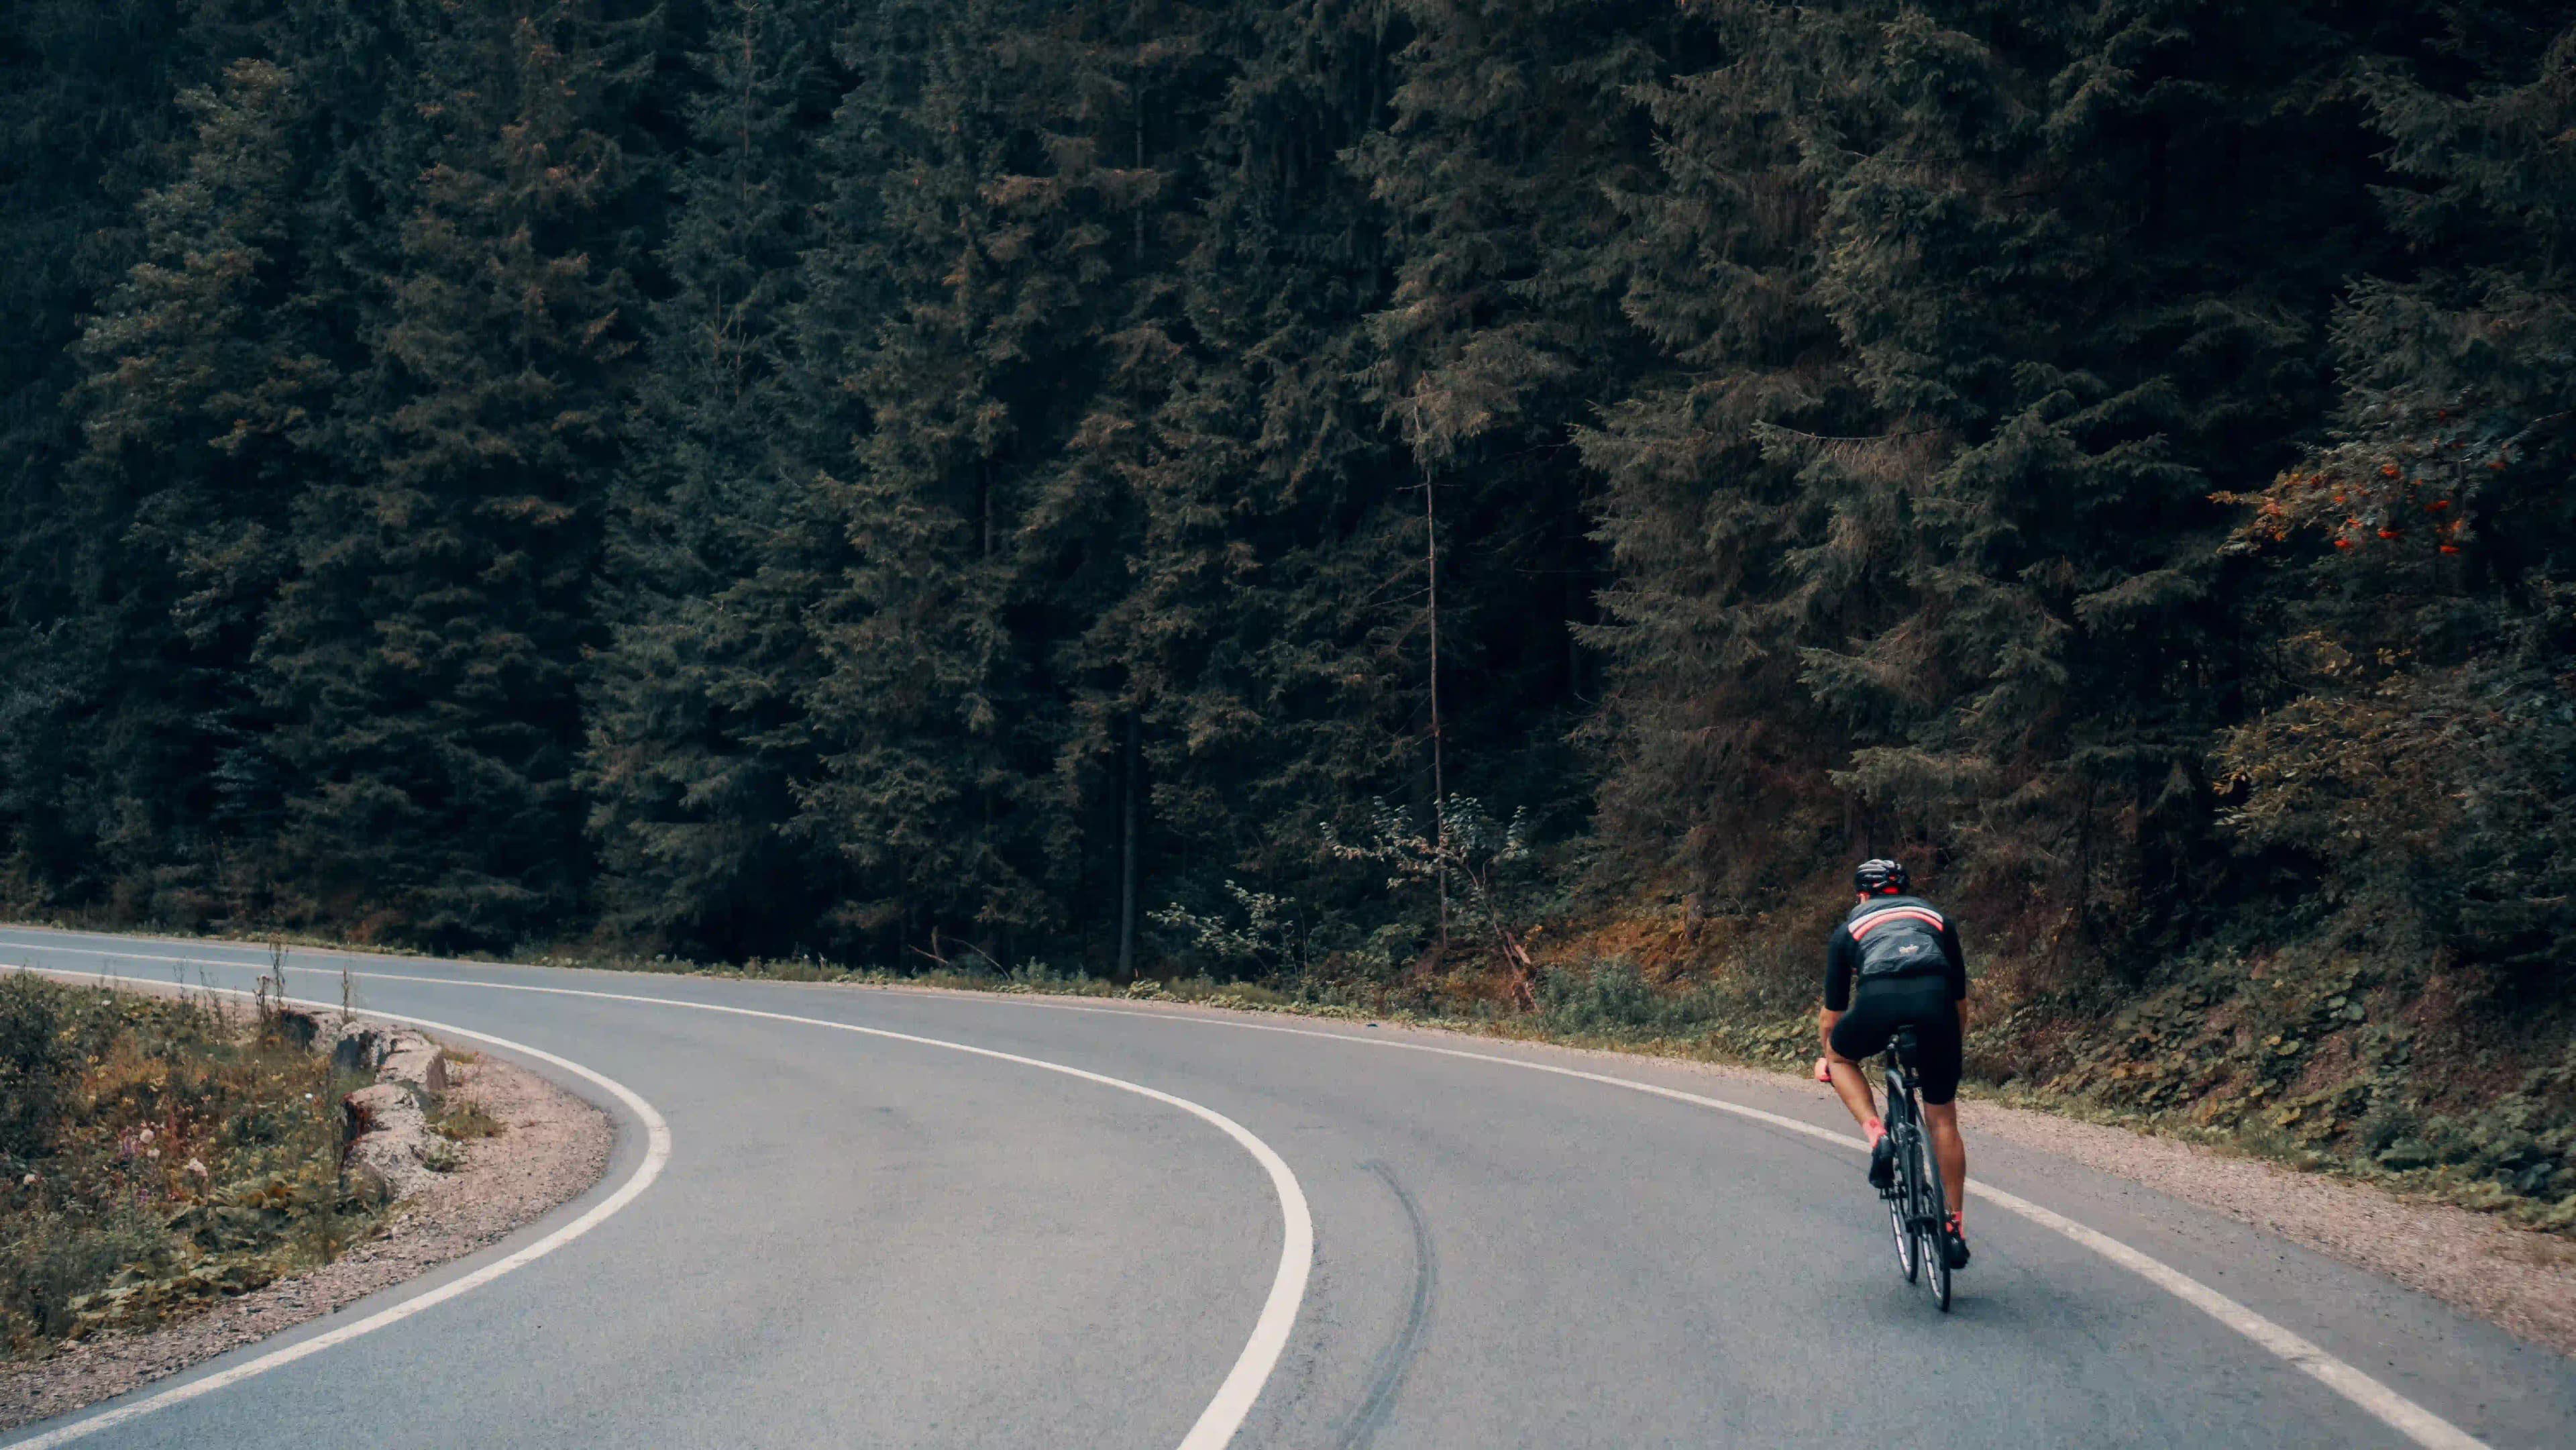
<point>1894,963</point>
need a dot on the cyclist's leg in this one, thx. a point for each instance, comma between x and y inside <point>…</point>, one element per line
<point>1941,1124</point>
<point>1937,1056</point>
<point>1852,1086</point>
<point>1862,1033</point>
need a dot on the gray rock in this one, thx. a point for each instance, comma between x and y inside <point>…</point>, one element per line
<point>389,1133</point>
<point>357,1046</point>
<point>393,1139</point>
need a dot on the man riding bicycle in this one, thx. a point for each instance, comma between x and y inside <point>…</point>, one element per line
<point>1894,963</point>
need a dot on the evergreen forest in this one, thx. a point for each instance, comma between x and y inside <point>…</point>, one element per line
<point>1488,501</point>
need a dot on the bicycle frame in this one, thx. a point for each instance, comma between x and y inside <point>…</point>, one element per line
<point>1917,1208</point>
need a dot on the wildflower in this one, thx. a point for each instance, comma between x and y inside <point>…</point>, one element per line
<point>147,1135</point>
<point>153,1153</point>
<point>2388,470</point>
<point>2388,533</point>
<point>2343,543</point>
<point>196,1166</point>
<point>27,1182</point>
<point>2437,505</point>
<point>2450,548</point>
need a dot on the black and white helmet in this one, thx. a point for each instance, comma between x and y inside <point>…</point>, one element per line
<point>1878,876</point>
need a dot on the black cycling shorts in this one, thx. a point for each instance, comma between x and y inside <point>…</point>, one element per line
<point>1879,1008</point>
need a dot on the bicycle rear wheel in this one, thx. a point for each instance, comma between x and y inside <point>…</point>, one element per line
<point>1900,1199</point>
<point>1932,1247</point>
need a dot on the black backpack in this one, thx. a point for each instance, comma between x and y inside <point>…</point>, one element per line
<point>1899,936</point>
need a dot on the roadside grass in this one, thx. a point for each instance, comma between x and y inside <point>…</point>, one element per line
<point>456,1123</point>
<point>157,1154</point>
<point>461,1122</point>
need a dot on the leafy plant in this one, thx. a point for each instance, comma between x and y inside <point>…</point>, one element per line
<point>460,1121</point>
<point>1269,934</point>
<point>1467,861</point>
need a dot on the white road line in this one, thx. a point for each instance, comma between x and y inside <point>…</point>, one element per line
<point>2369,1395</point>
<point>657,1152</point>
<point>1216,1424</point>
<point>2374,1398</point>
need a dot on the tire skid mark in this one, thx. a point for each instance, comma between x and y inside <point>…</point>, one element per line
<point>1387,1372</point>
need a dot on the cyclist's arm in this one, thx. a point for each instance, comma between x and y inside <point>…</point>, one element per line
<point>1954,964</point>
<point>1838,977</point>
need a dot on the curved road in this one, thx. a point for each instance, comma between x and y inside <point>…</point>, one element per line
<point>873,1238</point>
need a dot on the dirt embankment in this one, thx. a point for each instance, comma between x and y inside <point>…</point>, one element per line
<point>549,1147</point>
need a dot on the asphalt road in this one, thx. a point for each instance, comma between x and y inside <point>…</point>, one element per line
<point>863,1240</point>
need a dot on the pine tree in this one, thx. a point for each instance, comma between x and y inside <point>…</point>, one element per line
<point>2089,363</point>
<point>1510,128</point>
<point>1978,512</point>
<point>1713,753</point>
<point>695,733</point>
<point>979,222</point>
<point>1003,489</point>
<point>2416,752</point>
<point>424,656</point>
<point>84,120</point>
<point>1236,695</point>
<point>203,392</point>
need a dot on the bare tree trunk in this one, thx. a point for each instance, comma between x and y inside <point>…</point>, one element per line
<point>1439,779</point>
<point>1140,160</point>
<point>1132,760</point>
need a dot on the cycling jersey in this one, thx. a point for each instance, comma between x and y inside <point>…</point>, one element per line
<point>1895,963</point>
<point>1873,944</point>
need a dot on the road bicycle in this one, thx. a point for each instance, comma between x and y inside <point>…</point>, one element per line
<point>1917,1208</point>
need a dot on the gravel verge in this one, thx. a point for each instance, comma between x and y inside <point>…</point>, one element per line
<point>554,1146</point>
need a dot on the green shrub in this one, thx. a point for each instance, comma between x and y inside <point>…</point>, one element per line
<point>462,1121</point>
<point>1611,998</point>
<point>34,1058</point>
<point>55,1257</point>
